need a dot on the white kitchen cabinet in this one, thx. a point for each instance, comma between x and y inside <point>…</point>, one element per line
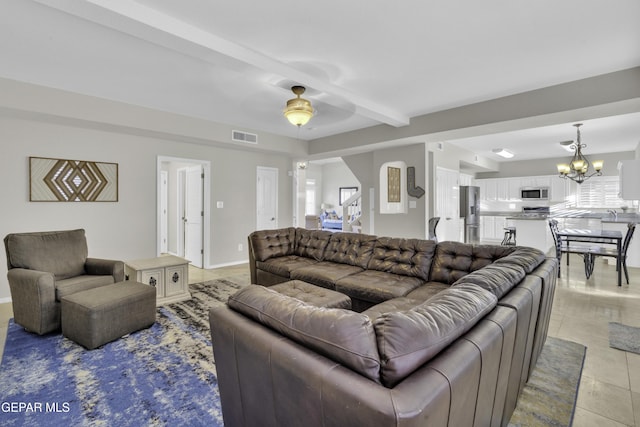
<point>490,190</point>
<point>528,181</point>
<point>492,228</point>
<point>482,185</point>
<point>487,227</point>
<point>502,189</point>
<point>465,179</point>
<point>543,181</point>
<point>508,189</point>
<point>559,189</point>
<point>514,185</point>
<point>629,178</point>
<point>499,189</point>
<point>534,233</point>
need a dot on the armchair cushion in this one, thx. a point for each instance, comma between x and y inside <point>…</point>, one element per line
<point>72,285</point>
<point>62,253</point>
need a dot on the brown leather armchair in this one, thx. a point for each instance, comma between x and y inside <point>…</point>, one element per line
<point>43,267</point>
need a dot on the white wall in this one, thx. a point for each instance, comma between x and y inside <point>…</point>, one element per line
<point>127,229</point>
<point>411,224</point>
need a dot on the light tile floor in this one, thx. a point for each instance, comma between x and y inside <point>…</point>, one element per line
<point>609,393</point>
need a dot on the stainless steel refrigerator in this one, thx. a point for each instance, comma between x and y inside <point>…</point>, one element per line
<point>470,212</point>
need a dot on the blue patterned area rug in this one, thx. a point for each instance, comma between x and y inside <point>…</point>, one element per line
<point>164,375</point>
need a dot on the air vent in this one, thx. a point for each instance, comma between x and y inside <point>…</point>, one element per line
<point>240,136</point>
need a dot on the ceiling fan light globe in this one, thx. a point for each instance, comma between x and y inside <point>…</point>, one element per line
<point>298,117</point>
<point>298,111</point>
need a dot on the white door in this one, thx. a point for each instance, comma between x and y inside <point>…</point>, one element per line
<point>193,213</point>
<point>267,198</point>
<point>448,204</point>
<point>164,218</point>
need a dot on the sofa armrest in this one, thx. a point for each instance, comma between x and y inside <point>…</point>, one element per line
<point>33,296</point>
<point>102,267</point>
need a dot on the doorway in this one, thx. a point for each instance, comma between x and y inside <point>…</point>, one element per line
<point>184,220</point>
<point>448,204</point>
<point>266,198</point>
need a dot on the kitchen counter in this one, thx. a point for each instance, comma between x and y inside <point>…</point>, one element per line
<point>622,218</point>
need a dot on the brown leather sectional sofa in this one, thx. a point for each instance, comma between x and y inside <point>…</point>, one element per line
<point>442,334</point>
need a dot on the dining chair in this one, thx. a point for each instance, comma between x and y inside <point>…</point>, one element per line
<point>565,248</point>
<point>596,251</point>
<point>433,223</point>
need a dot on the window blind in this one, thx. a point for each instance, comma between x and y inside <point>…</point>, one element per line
<point>600,192</point>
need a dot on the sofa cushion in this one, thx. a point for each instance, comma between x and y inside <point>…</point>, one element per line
<point>496,278</point>
<point>324,273</point>
<point>284,265</point>
<point>377,286</point>
<point>350,248</point>
<point>62,253</point>
<point>426,291</point>
<point>527,258</point>
<point>406,257</point>
<point>396,304</point>
<point>311,243</point>
<point>341,335</point>
<point>72,285</point>
<point>267,244</point>
<point>454,260</point>
<point>408,339</point>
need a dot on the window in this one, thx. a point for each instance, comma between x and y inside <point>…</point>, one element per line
<point>600,192</point>
<point>310,201</point>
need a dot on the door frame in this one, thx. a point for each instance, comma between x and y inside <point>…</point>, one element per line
<point>183,200</point>
<point>206,206</point>
<point>164,220</point>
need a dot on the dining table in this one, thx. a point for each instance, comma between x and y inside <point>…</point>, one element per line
<point>596,236</point>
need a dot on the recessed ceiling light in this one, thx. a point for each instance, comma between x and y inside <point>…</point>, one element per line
<point>503,153</point>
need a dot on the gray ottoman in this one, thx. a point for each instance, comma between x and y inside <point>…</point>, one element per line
<point>312,294</point>
<point>96,316</point>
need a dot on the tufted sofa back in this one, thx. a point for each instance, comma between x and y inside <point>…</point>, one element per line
<point>267,244</point>
<point>406,257</point>
<point>311,243</point>
<point>350,248</point>
<point>454,260</point>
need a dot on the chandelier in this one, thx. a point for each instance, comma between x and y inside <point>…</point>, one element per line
<point>299,110</point>
<point>578,169</point>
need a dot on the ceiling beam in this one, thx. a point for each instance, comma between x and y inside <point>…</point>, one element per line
<point>156,27</point>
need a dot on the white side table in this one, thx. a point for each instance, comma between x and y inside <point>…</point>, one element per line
<point>168,274</point>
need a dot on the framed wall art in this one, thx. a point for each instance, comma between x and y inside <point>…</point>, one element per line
<point>393,185</point>
<point>63,180</point>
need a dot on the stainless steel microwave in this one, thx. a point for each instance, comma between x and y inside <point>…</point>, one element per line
<point>534,193</point>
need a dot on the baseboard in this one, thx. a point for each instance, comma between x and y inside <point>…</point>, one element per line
<point>5,300</point>
<point>227,264</point>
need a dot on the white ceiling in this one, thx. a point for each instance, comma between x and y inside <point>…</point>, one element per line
<point>364,62</point>
<point>604,135</point>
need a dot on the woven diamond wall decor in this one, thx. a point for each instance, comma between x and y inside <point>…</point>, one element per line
<point>59,180</point>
